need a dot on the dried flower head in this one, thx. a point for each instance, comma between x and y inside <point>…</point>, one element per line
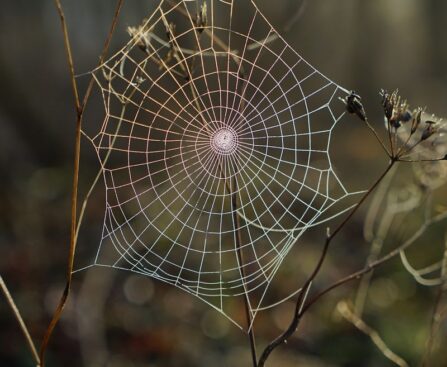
<point>396,110</point>
<point>416,122</point>
<point>387,103</point>
<point>141,35</point>
<point>354,105</point>
<point>430,129</point>
<point>202,18</point>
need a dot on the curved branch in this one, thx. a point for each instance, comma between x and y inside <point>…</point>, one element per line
<point>20,321</point>
<point>74,197</point>
<point>300,308</point>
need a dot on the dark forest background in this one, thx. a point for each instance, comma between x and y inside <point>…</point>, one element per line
<point>119,319</point>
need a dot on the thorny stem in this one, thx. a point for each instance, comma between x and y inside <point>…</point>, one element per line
<point>74,197</point>
<point>20,321</point>
<point>237,224</point>
<point>329,237</point>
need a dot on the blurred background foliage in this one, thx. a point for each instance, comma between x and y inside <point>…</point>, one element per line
<point>120,319</point>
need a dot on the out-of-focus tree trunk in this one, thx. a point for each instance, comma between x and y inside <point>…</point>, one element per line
<point>437,13</point>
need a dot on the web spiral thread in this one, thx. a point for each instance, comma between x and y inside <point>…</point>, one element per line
<point>214,150</point>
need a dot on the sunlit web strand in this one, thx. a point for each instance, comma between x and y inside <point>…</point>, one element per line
<point>186,115</point>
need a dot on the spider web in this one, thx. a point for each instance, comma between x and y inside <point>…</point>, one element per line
<point>214,151</point>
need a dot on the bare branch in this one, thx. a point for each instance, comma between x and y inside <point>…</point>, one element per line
<point>392,254</point>
<point>350,316</point>
<point>74,198</point>
<point>299,308</point>
<point>20,321</point>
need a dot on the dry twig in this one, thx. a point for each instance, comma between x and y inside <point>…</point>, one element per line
<point>350,316</point>
<point>20,321</point>
<point>74,198</point>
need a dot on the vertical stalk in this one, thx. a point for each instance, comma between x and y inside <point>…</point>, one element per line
<point>80,108</point>
<point>301,309</point>
<point>20,321</point>
<point>237,224</point>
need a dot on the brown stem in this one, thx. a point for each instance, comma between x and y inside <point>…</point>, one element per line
<point>74,197</point>
<point>392,254</point>
<point>349,314</point>
<point>20,321</point>
<point>298,311</point>
<point>237,224</point>
<point>436,318</point>
<point>69,56</point>
<point>432,333</point>
<point>376,135</point>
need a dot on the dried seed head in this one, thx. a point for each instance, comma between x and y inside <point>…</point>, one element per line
<point>141,35</point>
<point>416,120</point>
<point>170,32</point>
<point>429,130</point>
<point>387,103</point>
<point>407,116</point>
<point>202,18</point>
<point>354,105</point>
<point>395,109</point>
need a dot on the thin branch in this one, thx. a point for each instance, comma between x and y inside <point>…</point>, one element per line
<point>105,49</point>
<point>436,318</point>
<point>237,224</point>
<point>392,254</point>
<point>434,322</point>
<point>69,56</point>
<point>376,240</point>
<point>350,316</point>
<point>329,237</point>
<point>74,197</point>
<point>99,174</point>
<point>297,16</point>
<point>376,134</point>
<point>20,321</point>
<point>210,34</point>
<point>422,160</point>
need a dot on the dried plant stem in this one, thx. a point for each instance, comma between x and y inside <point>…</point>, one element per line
<point>105,49</point>
<point>233,188</point>
<point>69,55</point>
<point>20,321</point>
<point>376,135</point>
<point>437,316</point>
<point>375,240</point>
<point>434,322</point>
<point>237,224</point>
<point>363,289</point>
<point>301,308</point>
<point>98,175</point>
<point>350,316</point>
<point>63,300</point>
<point>392,254</point>
<point>210,34</point>
<point>74,198</point>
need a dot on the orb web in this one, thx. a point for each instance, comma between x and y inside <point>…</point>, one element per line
<point>214,151</point>
<point>224,141</point>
